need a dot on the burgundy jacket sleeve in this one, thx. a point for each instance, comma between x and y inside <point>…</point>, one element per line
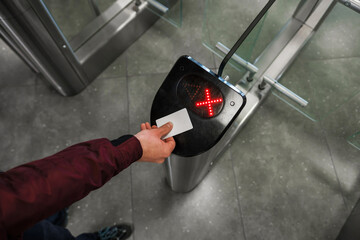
<point>36,190</point>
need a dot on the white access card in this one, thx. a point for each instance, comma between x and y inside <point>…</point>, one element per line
<point>180,120</point>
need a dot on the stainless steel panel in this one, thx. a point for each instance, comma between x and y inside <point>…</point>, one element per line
<point>99,22</point>
<point>33,53</point>
<point>104,47</point>
<point>321,10</point>
<point>289,52</point>
<point>304,9</point>
<point>17,49</point>
<point>29,34</point>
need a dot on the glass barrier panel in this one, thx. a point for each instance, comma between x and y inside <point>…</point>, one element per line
<point>79,20</point>
<point>71,16</point>
<point>225,21</point>
<point>326,72</point>
<point>169,10</point>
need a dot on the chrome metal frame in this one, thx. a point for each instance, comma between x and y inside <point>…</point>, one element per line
<point>184,174</point>
<point>353,4</point>
<point>70,67</point>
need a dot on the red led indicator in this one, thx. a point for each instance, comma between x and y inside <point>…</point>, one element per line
<point>209,102</point>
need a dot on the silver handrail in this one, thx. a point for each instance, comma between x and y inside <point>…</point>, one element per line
<point>158,5</point>
<point>353,4</point>
<point>284,90</point>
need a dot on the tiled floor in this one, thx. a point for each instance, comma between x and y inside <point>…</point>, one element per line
<point>283,177</point>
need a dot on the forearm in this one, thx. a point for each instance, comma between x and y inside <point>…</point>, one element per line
<point>36,190</point>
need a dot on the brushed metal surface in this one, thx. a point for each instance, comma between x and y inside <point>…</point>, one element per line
<point>287,92</point>
<point>92,28</point>
<point>111,40</point>
<point>38,39</point>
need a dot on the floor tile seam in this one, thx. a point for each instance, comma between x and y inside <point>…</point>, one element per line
<point>129,130</point>
<point>328,114</point>
<point>328,59</point>
<point>238,195</point>
<point>334,167</point>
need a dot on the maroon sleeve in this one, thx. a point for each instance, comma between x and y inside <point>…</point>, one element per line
<point>36,190</point>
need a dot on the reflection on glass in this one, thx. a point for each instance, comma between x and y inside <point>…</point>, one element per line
<point>354,140</point>
<point>78,20</point>
<point>326,73</point>
<point>225,21</point>
<point>72,16</point>
<point>169,10</point>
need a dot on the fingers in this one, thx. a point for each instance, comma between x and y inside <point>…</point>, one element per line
<point>146,126</point>
<point>169,145</point>
<point>164,129</point>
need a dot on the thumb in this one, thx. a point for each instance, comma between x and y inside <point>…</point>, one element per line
<point>164,129</point>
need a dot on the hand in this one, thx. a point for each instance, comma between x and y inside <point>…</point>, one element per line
<point>155,149</point>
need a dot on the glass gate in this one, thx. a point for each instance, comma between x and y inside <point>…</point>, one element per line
<point>72,42</point>
<point>317,73</point>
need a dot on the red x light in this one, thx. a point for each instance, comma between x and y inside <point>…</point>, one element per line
<point>209,102</point>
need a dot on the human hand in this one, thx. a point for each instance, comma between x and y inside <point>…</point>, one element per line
<point>155,149</point>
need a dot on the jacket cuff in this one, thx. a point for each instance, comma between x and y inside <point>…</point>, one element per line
<point>120,140</point>
<point>129,146</point>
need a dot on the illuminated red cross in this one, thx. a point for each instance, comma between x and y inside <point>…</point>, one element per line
<point>209,102</point>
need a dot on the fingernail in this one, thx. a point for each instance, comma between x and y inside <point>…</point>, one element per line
<point>170,124</point>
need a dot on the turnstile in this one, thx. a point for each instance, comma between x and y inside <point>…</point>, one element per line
<point>71,64</point>
<point>185,171</point>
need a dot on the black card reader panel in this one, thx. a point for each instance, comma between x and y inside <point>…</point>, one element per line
<point>212,104</point>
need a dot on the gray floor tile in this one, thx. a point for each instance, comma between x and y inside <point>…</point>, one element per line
<point>326,84</point>
<point>210,211</point>
<point>142,90</point>
<point>13,71</point>
<point>287,184</point>
<point>338,127</point>
<point>17,107</point>
<point>101,110</point>
<point>337,37</point>
<point>158,49</point>
<point>107,206</point>
<point>116,69</point>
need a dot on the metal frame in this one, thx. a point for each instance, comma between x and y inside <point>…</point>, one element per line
<point>69,68</point>
<point>352,4</point>
<point>184,174</point>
